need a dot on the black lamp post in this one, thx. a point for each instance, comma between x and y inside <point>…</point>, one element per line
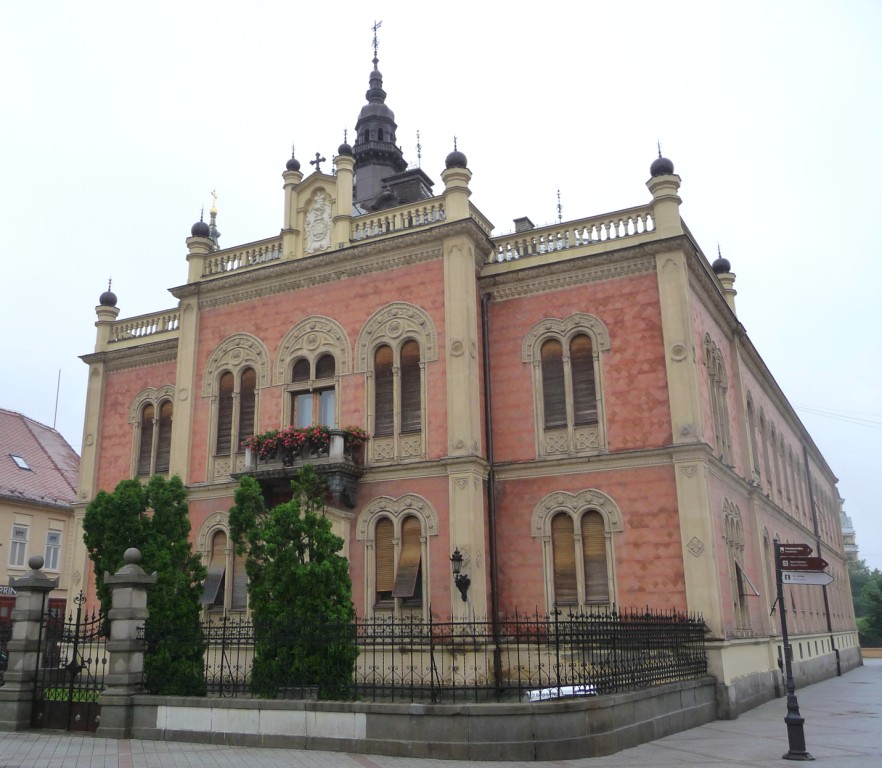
<point>462,581</point>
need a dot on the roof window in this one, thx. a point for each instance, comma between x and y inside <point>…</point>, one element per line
<point>20,462</point>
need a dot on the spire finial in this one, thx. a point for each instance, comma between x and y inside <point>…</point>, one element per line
<point>454,144</point>
<point>213,209</point>
<point>345,135</point>
<point>202,213</point>
<point>292,151</point>
<point>718,250</point>
<point>659,147</point>
<point>377,25</point>
<point>109,282</point>
<point>419,149</point>
<point>559,209</point>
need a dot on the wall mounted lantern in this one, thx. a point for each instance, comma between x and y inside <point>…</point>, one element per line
<point>462,581</point>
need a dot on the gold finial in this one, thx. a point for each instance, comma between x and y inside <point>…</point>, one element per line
<point>213,208</point>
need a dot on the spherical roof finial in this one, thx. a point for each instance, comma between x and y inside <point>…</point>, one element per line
<point>200,228</point>
<point>108,298</point>
<point>456,159</point>
<point>661,166</point>
<point>721,265</point>
<point>293,164</point>
<point>345,148</point>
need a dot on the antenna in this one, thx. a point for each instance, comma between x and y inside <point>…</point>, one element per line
<point>58,389</point>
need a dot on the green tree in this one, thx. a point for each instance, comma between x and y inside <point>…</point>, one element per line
<point>154,518</point>
<point>300,592</point>
<point>866,592</point>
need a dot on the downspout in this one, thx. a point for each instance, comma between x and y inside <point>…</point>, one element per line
<point>811,495</point>
<point>491,489</point>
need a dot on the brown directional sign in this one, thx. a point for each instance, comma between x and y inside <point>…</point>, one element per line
<point>803,563</point>
<point>794,550</point>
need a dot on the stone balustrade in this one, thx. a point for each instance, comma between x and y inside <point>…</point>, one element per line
<point>394,220</point>
<point>251,255</point>
<point>146,325</point>
<point>573,234</point>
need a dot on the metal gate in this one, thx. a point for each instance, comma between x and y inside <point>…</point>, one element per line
<point>70,669</point>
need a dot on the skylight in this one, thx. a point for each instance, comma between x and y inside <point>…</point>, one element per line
<point>20,462</point>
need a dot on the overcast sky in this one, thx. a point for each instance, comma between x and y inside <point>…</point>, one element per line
<point>118,119</point>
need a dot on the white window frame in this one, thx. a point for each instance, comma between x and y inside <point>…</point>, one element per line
<point>53,551</point>
<point>18,545</point>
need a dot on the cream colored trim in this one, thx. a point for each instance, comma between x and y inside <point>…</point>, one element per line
<point>148,353</point>
<point>310,338</point>
<point>234,353</point>
<point>153,395</point>
<point>392,325</point>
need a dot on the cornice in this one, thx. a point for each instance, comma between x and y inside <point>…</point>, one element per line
<point>527,279</point>
<point>579,465</point>
<point>363,258</point>
<point>135,357</point>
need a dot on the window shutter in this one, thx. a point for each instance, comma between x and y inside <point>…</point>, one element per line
<point>247,398</point>
<point>411,405</point>
<point>300,372</point>
<point>325,367</point>
<point>145,449</point>
<point>163,442</point>
<point>406,585</point>
<point>594,555</point>
<point>553,395</point>
<point>564,553</point>
<point>212,593</point>
<point>383,383</point>
<point>584,389</point>
<point>384,552</point>
<point>239,596</point>
<point>224,414</point>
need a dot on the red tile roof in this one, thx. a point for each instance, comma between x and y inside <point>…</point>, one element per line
<point>54,465</point>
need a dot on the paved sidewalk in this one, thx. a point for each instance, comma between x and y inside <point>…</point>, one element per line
<point>843,728</point>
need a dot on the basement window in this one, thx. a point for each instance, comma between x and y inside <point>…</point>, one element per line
<point>20,462</point>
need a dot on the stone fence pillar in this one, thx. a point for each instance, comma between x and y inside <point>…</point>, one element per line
<point>129,586</point>
<point>17,694</point>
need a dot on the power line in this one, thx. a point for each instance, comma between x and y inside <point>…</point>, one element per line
<point>850,417</point>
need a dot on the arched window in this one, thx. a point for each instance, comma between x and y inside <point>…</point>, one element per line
<point>247,402</point>
<point>718,384</point>
<point>151,416</point>
<point>740,585</point>
<point>145,452</point>
<point>314,392</point>
<point>226,583</point>
<point>163,439</point>
<point>384,411</point>
<point>411,387</point>
<point>751,432</point>
<point>566,359</point>
<point>577,532</point>
<point>225,389</point>
<point>396,532</point>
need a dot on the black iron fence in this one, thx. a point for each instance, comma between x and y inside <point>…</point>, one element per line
<point>525,658</point>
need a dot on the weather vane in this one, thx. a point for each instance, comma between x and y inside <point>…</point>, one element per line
<point>377,25</point>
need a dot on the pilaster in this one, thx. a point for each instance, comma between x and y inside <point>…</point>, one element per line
<point>290,233</point>
<point>343,217</point>
<point>185,387</point>
<point>468,534</point>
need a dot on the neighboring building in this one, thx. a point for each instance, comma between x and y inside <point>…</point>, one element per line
<point>575,409</point>
<point>849,538</point>
<point>38,475</point>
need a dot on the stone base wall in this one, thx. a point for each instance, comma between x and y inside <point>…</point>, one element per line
<point>550,730</point>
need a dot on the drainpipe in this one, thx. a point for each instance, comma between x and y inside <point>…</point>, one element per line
<point>811,495</point>
<point>491,489</point>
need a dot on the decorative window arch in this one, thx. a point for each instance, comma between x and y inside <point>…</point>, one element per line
<point>740,585</point>
<point>311,358</point>
<point>719,385</point>
<point>226,584</point>
<point>234,375</point>
<point>567,383</point>
<point>751,433</point>
<point>392,349</point>
<point>151,415</point>
<point>396,532</point>
<point>577,532</point>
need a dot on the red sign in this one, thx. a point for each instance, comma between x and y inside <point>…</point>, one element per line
<point>803,564</point>
<point>794,550</point>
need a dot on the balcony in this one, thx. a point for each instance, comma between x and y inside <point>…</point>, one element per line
<point>339,462</point>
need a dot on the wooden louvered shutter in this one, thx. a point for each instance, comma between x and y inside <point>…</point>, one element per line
<point>384,552</point>
<point>594,555</point>
<point>584,390</point>
<point>563,549</point>
<point>325,367</point>
<point>224,414</point>
<point>383,391</point>
<point>406,582</point>
<point>163,440</point>
<point>247,398</point>
<point>145,448</point>
<point>213,592</point>
<point>411,399</point>
<point>553,395</point>
<point>239,591</point>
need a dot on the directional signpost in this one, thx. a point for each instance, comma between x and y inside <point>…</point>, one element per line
<point>795,566</point>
